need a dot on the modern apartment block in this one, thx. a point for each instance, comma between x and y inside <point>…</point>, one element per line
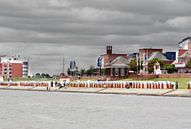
<point>13,66</point>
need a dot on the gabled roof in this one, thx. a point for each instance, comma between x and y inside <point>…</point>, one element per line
<point>186,54</point>
<point>181,52</point>
<point>119,61</point>
<point>158,55</point>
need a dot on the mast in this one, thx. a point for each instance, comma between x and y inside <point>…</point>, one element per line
<point>63,65</point>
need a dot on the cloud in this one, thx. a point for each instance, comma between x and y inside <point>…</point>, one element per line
<point>45,30</point>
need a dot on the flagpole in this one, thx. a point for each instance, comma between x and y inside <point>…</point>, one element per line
<point>137,63</point>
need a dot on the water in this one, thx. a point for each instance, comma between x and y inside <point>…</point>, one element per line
<point>48,110</point>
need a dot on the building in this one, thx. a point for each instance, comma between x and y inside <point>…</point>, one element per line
<point>160,56</point>
<point>13,66</point>
<point>114,65</point>
<point>183,53</point>
<point>145,53</point>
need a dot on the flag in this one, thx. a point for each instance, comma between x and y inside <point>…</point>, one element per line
<point>99,61</point>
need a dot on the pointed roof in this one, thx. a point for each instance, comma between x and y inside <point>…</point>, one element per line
<point>119,61</point>
<point>181,52</point>
<point>158,55</point>
<point>186,54</point>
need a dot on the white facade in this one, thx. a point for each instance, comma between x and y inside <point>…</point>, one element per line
<point>184,44</point>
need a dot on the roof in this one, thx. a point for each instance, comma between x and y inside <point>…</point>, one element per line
<point>120,62</point>
<point>158,55</point>
<point>184,40</point>
<point>150,49</point>
<point>186,54</point>
<point>181,52</point>
<point>108,58</point>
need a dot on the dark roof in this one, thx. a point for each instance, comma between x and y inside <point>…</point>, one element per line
<point>150,49</point>
<point>184,40</point>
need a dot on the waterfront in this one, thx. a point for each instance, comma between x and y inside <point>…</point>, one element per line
<point>58,110</point>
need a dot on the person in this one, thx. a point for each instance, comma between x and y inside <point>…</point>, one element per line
<point>51,84</point>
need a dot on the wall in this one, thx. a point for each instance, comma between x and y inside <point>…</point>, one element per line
<point>17,70</point>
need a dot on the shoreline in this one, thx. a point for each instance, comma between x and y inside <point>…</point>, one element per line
<point>118,91</point>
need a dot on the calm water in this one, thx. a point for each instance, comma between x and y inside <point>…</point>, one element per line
<point>43,110</point>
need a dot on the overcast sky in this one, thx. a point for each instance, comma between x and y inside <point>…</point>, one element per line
<point>46,30</point>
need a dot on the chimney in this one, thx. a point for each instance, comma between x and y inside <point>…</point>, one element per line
<point>109,50</point>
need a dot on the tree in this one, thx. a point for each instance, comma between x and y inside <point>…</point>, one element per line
<point>43,75</point>
<point>68,71</point>
<point>170,68</point>
<point>189,64</point>
<point>133,65</point>
<point>151,64</point>
<point>82,72</point>
<point>37,75</point>
<point>92,70</point>
<point>47,75</point>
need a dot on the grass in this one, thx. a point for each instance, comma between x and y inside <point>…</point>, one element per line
<point>35,79</point>
<point>183,82</point>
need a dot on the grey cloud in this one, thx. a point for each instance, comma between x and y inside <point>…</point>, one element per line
<point>45,30</point>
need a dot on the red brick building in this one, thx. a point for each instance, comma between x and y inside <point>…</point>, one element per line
<point>115,64</point>
<point>12,67</point>
<point>11,70</point>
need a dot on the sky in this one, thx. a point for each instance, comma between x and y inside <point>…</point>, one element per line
<point>45,31</point>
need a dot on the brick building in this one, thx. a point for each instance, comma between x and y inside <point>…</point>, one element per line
<point>115,65</point>
<point>12,66</point>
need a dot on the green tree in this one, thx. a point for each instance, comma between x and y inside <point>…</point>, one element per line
<point>189,64</point>
<point>83,71</point>
<point>133,65</point>
<point>43,75</point>
<point>169,67</point>
<point>92,70</point>
<point>151,64</point>
<point>68,71</point>
<point>37,75</point>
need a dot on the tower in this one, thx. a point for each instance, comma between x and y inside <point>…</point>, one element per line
<point>109,50</point>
